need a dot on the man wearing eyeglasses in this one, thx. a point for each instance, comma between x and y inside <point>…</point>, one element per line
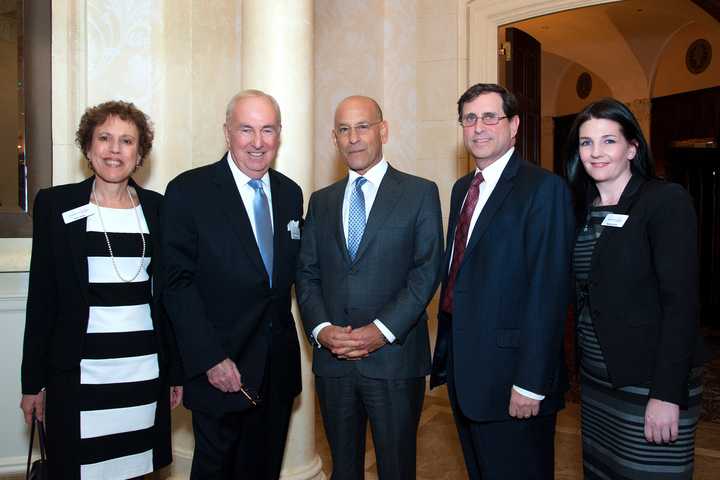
<point>504,297</point>
<point>231,241</point>
<point>369,264</point>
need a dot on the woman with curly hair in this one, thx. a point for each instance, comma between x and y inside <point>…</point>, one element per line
<point>98,355</point>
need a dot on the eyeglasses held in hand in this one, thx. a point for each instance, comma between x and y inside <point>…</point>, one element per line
<point>252,396</point>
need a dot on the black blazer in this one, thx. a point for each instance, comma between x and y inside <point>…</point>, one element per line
<point>218,293</point>
<point>511,295</point>
<point>393,277</point>
<point>57,306</point>
<point>643,290</point>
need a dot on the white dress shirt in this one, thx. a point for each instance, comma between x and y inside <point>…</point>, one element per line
<point>374,177</point>
<point>247,192</point>
<point>491,175</point>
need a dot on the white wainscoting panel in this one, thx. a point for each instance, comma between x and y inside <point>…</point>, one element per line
<point>15,435</point>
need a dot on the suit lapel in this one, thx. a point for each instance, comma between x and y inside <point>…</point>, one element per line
<point>627,200</point>
<point>457,202</point>
<point>337,195</point>
<point>279,216</point>
<point>386,199</point>
<point>231,204</point>
<point>497,198</point>
<point>149,211</point>
<point>77,235</point>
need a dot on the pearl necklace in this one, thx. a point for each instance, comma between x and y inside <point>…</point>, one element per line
<point>107,239</point>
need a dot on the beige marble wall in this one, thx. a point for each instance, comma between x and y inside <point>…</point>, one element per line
<point>400,44</point>
<point>441,48</point>
<point>178,60</point>
<point>163,61</point>
<point>403,53</point>
<point>349,60</point>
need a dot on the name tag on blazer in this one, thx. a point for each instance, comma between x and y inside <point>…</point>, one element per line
<point>78,213</point>
<point>615,220</point>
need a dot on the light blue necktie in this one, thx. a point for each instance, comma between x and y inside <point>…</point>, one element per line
<point>263,226</point>
<point>356,217</point>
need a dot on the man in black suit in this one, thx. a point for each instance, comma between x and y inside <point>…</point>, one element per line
<point>369,264</point>
<point>231,243</point>
<point>504,297</point>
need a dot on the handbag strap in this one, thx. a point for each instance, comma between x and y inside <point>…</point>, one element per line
<point>41,441</point>
<point>41,438</point>
<point>32,437</point>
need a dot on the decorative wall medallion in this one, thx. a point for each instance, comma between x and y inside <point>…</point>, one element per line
<point>698,56</point>
<point>583,87</point>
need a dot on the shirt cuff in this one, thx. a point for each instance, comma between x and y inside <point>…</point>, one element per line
<point>316,332</point>
<point>384,330</point>
<point>528,393</point>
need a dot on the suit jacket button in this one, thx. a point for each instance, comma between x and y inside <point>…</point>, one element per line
<point>345,310</point>
<point>596,313</point>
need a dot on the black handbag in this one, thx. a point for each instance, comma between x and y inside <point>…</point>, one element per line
<point>38,470</point>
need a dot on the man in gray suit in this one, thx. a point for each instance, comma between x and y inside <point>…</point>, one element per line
<point>369,264</point>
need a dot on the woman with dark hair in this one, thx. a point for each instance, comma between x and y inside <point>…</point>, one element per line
<point>98,354</point>
<point>636,271</point>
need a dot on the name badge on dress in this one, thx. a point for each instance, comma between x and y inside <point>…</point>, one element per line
<point>615,220</point>
<point>78,213</point>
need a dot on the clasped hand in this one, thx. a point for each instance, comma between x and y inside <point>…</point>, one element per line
<point>351,344</point>
<point>225,376</point>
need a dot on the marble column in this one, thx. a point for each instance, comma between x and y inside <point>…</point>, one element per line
<point>277,57</point>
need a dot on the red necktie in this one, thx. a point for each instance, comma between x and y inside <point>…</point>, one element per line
<point>461,236</point>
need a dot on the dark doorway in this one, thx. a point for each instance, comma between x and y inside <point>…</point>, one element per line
<point>522,77</point>
<point>561,130</point>
<point>684,140</point>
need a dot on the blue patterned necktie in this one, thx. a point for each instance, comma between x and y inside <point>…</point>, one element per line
<point>356,217</point>
<point>263,226</point>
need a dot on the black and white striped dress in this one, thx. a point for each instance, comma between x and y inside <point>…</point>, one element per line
<point>119,372</point>
<point>614,445</point>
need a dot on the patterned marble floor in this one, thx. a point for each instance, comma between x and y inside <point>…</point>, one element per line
<point>440,458</point>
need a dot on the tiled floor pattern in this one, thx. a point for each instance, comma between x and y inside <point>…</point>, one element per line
<point>440,458</point>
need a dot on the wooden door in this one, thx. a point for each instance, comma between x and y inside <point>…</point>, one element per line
<point>522,77</point>
<point>698,170</point>
<point>561,131</point>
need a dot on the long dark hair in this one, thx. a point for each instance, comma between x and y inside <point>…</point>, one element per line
<point>582,185</point>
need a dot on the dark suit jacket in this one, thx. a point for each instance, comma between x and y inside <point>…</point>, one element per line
<point>58,308</point>
<point>393,277</point>
<point>511,295</point>
<point>218,293</point>
<point>643,290</point>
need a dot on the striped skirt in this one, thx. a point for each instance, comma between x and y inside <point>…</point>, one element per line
<point>613,423</point>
